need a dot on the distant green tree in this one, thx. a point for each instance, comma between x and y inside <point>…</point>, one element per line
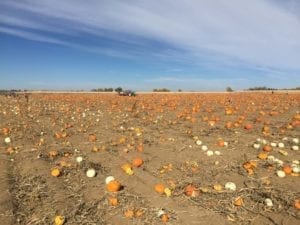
<point>118,89</point>
<point>229,89</point>
<point>179,90</point>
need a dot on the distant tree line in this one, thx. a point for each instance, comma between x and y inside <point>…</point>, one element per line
<point>161,90</point>
<point>270,89</point>
<point>102,90</point>
<point>118,89</point>
<point>263,88</point>
<point>11,92</point>
<point>296,88</point>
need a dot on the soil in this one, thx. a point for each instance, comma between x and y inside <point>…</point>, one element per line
<point>108,131</point>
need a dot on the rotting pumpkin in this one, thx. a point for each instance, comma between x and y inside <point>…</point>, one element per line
<point>191,191</point>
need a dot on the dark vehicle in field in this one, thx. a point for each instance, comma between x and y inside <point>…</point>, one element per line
<point>127,93</point>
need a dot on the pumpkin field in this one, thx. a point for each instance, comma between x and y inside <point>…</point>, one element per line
<point>156,158</point>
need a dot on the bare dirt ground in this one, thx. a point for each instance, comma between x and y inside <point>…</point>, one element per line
<point>168,132</point>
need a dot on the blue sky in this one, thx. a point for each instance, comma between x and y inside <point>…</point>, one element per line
<point>142,44</point>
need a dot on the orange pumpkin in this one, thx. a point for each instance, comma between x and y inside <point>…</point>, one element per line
<point>113,186</point>
<point>221,143</point>
<point>165,218</point>
<point>296,116</point>
<point>228,125</point>
<point>267,148</point>
<point>287,169</point>
<point>297,204</point>
<point>137,162</point>
<point>248,126</point>
<point>58,135</point>
<point>159,188</point>
<point>5,130</point>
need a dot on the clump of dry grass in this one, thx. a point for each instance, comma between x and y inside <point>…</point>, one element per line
<point>253,195</point>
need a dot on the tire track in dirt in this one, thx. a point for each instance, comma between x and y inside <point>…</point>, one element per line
<point>6,205</point>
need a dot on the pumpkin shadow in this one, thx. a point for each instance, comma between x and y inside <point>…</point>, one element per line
<point>122,188</point>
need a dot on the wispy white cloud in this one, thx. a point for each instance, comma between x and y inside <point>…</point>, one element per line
<point>16,21</point>
<point>47,39</point>
<point>30,35</point>
<point>258,33</point>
